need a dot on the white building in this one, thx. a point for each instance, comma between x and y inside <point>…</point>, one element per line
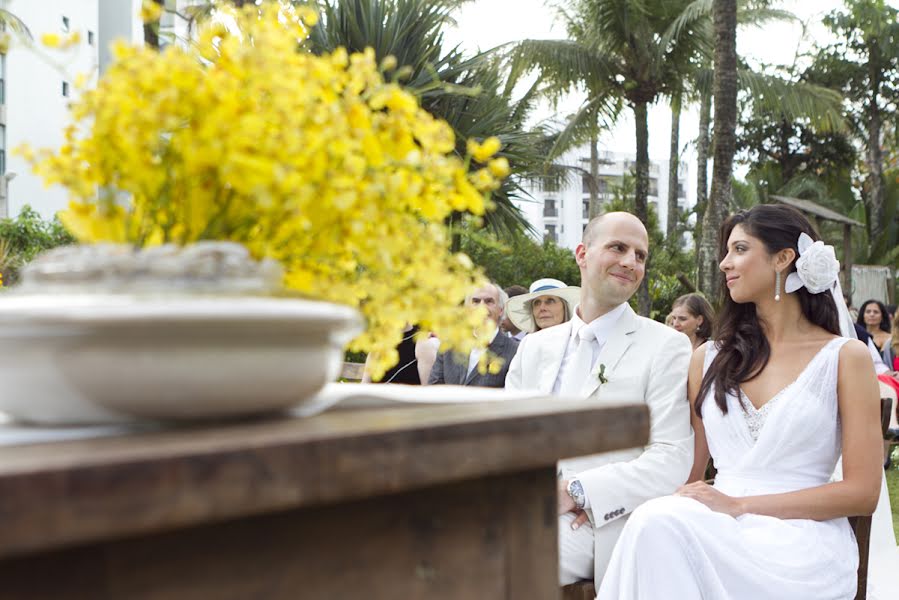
<point>36,84</point>
<point>561,214</point>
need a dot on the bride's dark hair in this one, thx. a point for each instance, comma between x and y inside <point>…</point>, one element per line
<point>743,347</point>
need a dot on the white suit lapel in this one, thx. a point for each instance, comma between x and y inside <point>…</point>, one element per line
<point>549,366</point>
<point>619,341</point>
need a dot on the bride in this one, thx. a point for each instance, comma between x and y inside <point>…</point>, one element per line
<point>776,399</point>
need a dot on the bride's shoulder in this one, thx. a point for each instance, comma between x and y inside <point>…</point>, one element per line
<point>854,350</point>
<point>697,362</point>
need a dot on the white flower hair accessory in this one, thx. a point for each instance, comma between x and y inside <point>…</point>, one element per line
<point>817,268</point>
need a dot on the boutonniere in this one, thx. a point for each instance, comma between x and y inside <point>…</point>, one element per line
<point>601,374</point>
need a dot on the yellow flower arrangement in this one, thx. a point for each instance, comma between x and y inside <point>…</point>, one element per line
<point>315,161</point>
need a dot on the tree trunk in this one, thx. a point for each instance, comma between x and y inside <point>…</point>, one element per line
<point>641,192</point>
<point>593,208</point>
<point>151,29</point>
<point>874,154</point>
<point>671,229</point>
<point>641,168</point>
<point>702,162</point>
<point>725,23</point>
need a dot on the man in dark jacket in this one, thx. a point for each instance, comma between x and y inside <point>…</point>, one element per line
<point>453,369</point>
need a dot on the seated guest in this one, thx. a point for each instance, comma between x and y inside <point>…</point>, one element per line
<point>507,325</point>
<point>550,302</point>
<point>890,373</point>
<point>891,347</point>
<point>449,370</point>
<point>873,316</point>
<point>692,315</point>
<point>415,363</point>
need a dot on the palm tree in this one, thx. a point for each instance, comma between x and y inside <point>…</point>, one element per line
<point>864,64</point>
<point>771,94</point>
<point>622,52</point>
<point>725,19</point>
<point>10,22</point>
<point>469,93</point>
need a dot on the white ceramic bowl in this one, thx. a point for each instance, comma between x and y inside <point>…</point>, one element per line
<point>75,359</point>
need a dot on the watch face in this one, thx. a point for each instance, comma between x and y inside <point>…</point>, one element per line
<point>576,491</point>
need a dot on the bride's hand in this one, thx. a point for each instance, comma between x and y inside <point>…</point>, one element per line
<point>703,492</point>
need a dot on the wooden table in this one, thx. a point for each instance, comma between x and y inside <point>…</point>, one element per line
<point>436,502</point>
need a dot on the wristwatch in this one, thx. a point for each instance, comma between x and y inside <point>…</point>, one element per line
<point>576,491</point>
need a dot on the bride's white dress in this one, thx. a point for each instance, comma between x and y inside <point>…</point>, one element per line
<point>675,547</point>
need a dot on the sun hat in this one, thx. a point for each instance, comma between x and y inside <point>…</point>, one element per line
<point>519,307</point>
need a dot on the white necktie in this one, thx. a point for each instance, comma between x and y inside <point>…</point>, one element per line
<point>578,368</point>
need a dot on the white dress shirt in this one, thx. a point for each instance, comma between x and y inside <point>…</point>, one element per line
<point>475,355</point>
<point>601,328</point>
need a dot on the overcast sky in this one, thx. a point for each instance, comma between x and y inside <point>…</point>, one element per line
<point>484,24</point>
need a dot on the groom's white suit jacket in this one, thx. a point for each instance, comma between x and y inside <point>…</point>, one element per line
<point>645,361</point>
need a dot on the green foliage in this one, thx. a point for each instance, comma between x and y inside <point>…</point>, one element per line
<point>669,264</point>
<point>519,259</point>
<point>24,237</point>
<point>468,92</point>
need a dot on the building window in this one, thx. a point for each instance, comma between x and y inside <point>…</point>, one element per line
<point>2,79</point>
<point>90,38</point>
<point>65,89</point>
<point>654,187</point>
<point>65,24</point>
<point>681,192</point>
<point>549,208</point>
<point>551,233</point>
<point>586,209</point>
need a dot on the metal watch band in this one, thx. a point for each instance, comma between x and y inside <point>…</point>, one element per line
<point>576,491</point>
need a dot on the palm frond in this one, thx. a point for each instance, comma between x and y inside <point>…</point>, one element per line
<point>16,25</point>
<point>563,64</point>
<point>804,186</point>
<point>757,17</point>
<point>695,12</point>
<point>595,115</point>
<point>794,100</point>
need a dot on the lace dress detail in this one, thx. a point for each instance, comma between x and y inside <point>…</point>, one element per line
<point>756,417</point>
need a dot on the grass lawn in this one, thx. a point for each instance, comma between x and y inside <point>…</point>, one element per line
<point>893,487</point>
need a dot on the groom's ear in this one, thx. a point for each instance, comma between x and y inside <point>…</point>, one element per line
<point>579,253</point>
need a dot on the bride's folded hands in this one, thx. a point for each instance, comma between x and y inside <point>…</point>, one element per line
<point>717,501</point>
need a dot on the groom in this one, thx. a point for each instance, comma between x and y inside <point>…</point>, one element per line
<point>608,354</point>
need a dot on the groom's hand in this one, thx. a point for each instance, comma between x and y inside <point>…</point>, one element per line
<point>566,502</point>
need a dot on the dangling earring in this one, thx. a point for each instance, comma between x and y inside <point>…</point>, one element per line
<point>777,287</point>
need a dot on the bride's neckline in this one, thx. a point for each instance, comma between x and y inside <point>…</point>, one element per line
<point>807,366</point>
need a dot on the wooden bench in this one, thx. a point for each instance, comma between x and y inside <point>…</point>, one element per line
<point>352,371</point>
<point>861,525</point>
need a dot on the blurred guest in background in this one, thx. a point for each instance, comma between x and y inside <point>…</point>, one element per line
<point>874,317</point>
<point>692,315</point>
<point>448,369</point>
<point>550,302</point>
<point>416,360</point>
<point>507,325</point>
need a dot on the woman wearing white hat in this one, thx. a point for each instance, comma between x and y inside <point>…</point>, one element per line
<point>550,302</point>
